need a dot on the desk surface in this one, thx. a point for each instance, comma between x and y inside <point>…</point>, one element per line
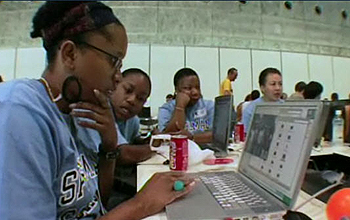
<point>327,149</point>
<point>314,209</point>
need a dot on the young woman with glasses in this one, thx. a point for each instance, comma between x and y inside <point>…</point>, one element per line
<point>50,165</point>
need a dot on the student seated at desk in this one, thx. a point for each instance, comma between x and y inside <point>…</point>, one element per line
<point>189,112</point>
<point>127,101</point>
<point>49,169</point>
<point>270,82</point>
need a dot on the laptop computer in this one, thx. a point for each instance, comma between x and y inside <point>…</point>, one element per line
<point>326,107</point>
<point>270,171</point>
<point>221,126</point>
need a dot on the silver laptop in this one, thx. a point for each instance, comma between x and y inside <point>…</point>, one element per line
<point>221,126</point>
<point>326,106</point>
<point>270,171</point>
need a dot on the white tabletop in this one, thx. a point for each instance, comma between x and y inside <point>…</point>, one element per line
<point>314,209</point>
<point>328,149</point>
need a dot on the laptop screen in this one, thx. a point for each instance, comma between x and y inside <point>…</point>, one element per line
<point>222,122</point>
<point>278,146</point>
<point>326,105</point>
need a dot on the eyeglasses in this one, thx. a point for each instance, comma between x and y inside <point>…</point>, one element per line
<point>117,62</point>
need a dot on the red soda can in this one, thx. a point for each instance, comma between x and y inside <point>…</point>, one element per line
<point>239,133</point>
<point>178,153</point>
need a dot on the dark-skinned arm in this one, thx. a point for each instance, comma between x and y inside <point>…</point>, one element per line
<point>202,138</point>
<point>152,198</point>
<point>103,122</point>
<point>227,92</point>
<point>199,138</point>
<point>106,169</point>
<point>132,154</point>
<point>178,119</point>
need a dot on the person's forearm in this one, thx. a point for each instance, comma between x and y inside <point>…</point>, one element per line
<point>131,210</point>
<point>227,92</point>
<point>139,140</point>
<point>201,138</point>
<point>178,120</point>
<point>132,154</point>
<point>106,178</point>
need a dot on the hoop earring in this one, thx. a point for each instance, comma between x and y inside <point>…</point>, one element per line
<point>71,97</point>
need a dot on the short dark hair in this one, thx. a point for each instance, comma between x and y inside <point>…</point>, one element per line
<point>300,86</point>
<point>312,90</point>
<point>255,94</point>
<point>334,96</point>
<point>248,98</point>
<point>182,73</point>
<point>136,71</point>
<point>169,96</point>
<point>265,73</point>
<point>231,70</point>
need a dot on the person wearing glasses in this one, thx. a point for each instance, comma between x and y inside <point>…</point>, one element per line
<point>189,113</point>
<point>51,167</point>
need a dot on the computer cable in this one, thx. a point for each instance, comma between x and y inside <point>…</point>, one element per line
<point>337,182</point>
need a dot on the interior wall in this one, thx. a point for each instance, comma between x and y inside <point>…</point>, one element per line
<point>211,64</point>
<point>209,36</point>
<point>260,25</point>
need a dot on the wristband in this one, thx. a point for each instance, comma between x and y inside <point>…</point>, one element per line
<point>179,108</point>
<point>111,155</point>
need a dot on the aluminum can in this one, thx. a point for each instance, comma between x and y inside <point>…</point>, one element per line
<point>239,133</point>
<point>178,153</point>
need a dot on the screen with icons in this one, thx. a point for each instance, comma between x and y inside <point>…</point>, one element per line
<point>276,146</point>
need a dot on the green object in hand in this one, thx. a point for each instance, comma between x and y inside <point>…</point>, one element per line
<point>179,185</point>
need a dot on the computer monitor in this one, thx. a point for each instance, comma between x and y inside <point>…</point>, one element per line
<point>221,126</point>
<point>145,112</point>
<point>322,124</point>
<point>222,122</point>
<point>339,104</point>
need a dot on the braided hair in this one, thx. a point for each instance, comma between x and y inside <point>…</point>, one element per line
<point>56,21</point>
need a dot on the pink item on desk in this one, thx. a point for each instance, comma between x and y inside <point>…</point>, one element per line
<point>218,161</point>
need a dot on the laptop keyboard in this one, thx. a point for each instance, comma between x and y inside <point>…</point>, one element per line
<point>230,192</point>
